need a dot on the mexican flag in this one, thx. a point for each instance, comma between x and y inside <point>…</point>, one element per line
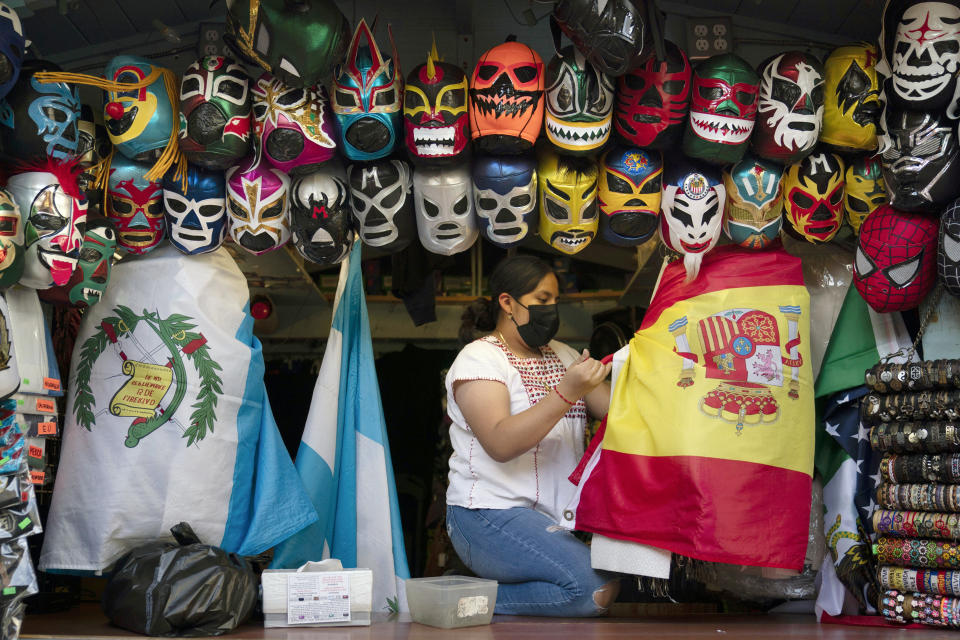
<point>861,337</point>
<point>708,446</point>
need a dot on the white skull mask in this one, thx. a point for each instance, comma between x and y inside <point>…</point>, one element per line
<point>790,106</point>
<point>692,212</point>
<point>507,214</point>
<point>444,203</point>
<point>926,52</point>
<point>381,207</point>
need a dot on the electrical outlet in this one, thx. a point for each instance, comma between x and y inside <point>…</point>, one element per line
<point>210,42</point>
<point>709,37</point>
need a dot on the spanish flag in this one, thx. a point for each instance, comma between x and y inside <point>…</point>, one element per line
<point>708,446</point>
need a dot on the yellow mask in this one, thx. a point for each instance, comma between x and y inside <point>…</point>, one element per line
<point>568,202</point>
<point>851,98</point>
<point>630,186</point>
<point>864,190</point>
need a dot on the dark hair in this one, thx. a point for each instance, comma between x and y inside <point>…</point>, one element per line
<point>518,276</point>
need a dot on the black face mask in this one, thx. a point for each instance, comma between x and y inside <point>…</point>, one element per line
<point>541,327</point>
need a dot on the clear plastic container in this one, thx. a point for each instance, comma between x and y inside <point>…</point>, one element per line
<point>451,601</point>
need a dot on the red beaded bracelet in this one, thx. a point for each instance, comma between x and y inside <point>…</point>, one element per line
<point>563,398</point>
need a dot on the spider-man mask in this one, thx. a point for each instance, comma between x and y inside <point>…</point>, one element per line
<point>920,160</point>
<point>948,249</point>
<point>895,266</point>
<point>135,205</point>
<point>652,101</point>
<point>723,109</point>
<point>630,181</point>
<point>813,197</point>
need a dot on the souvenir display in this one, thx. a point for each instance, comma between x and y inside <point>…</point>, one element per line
<point>579,103</point>
<point>851,98</point>
<point>196,217</point>
<point>139,121</point>
<point>320,216</point>
<point>916,437</point>
<point>921,44</point>
<point>789,107</point>
<point>383,209</point>
<point>948,249</point>
<point>215,113</point>
<point>629,190</point>
<point>863,189</point>
<point>691,211</point>
<point>367,96</point>
<point>258,208</point>
<point>435,121</point>
<point>443,198</point>
<point>299,42</point>
<point>813,197</point>
<point>505,195</point>
<point>945,583</point>
<point>723,109</point>
<point>38,120</point>
<point>11,240</point>
<point>754,202</point>
<point>294,126</point>
<point>920,160</point>
<point>612,34</point>
<point>135,204</point>
<point>568,202</point>
<point>506,99</point>
<point>922,608</point>
<point>895,265</point>
<point>12,48</point>
<point>653,100</point>
<point>54,214</point>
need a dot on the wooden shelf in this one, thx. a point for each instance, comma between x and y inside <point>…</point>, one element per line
<point>581,296</point>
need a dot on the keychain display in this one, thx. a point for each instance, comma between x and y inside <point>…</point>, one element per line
<point>38,120</point>
<point>579,104</point>
<point>904,407</point>
<point>614,35</point>
<point>321,222</point>
<point>258,207</point>
<point>752,211</point>
<point>813,197</point>
<point>383,209</point>
<point>916,437</point>
<point>789,107</point>
<point>630,184</point>
<point>505,198</point>
<point>568,202</point>
<point>894,377</point>
<point>443,199</point>
<point>852,106</point>
<point>653,100</point>
<point>435,121</point>
<point>863,189</point>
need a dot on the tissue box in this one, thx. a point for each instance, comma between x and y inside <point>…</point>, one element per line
<point>274,586</point>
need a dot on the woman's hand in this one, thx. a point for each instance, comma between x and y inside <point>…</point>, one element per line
<point>583,376</point>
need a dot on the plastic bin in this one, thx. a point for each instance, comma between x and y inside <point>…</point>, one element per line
<point>451,601</point>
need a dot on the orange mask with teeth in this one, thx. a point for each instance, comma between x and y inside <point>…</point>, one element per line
<point>506,98</point>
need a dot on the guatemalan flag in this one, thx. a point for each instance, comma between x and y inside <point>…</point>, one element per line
<point>344,456</point>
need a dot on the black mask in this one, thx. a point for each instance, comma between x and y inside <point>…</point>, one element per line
<point>948,255</point>
<point>542,325</point>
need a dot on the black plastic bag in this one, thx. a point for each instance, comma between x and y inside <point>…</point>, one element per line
<point>184,589</point>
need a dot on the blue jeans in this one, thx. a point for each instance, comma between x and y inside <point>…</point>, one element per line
<point>542,571</point>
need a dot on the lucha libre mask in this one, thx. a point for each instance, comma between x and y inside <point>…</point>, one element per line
<point>863,190</point>
<point>294,126</point>
<point>135,205</point>
<point>752,212</point>
<point>298,41</point>
<point>435,118</point>
<point>12,45</point>
<point>11,241</point>
<point>579,104</point>
<point>895,265</point>
<point>920,164</point>
<point>613,34</point>
<point>630,183</point>
<point>138,121</point>
<point>505,198</point>
<point>38,120</point>
<point>948,249</point>
<point>383,210</point>
<point>506,99</point>
<point>93,145</point>
<point>320,216</point>
<point>921,43</point>
<point>93,263</point>
<point>258,207</point>
<point>813,197</point>
<point>692,208</point>
<point>568,202</point>
<point>653,100</point>
<point>789,108</point>
<point>197,218</point>
<point>851,98</point>
<point>55,215</point>
<point>723,108</point>
<point>215,113</point>
<point>443,198</point>
<point>366,98</point>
